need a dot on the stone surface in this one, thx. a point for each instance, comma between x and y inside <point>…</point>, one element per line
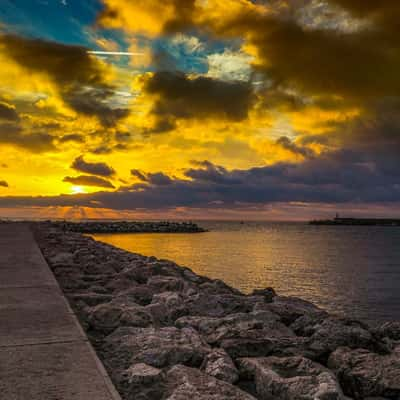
<point>156,347</point>
<point>290,378</point>
<point>219,365</point>
<point>366,374</point>
<point>188,383</point>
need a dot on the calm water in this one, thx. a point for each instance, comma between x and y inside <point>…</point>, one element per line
<point>350,270</point>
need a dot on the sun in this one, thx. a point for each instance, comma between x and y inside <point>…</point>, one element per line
<point>78,189</point>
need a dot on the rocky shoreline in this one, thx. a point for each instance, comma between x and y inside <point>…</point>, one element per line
<point>129,227</point>
<point>166,333</point>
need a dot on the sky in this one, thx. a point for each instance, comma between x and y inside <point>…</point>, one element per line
<point>232,109</point>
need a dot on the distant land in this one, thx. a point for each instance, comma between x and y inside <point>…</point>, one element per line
<point>357,221</point>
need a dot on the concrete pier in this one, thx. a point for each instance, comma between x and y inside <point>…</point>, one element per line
<point>44,353</point>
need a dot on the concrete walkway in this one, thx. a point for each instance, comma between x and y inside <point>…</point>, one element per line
<point>44,354</point>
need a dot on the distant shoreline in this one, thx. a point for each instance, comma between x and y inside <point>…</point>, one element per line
<point>357,222</point>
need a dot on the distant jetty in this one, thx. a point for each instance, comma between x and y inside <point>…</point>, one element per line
<point>129,227</point>
<point>357,221</point>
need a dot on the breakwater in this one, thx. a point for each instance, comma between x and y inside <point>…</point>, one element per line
<point>164,332</point>
<point>128,227</point>
<point>357,222</point>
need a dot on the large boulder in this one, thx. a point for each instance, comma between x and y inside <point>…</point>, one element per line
<point>159,348</point>
<point>185,383</point>
<point>215,330</point>
<point>142,382</point>
<point>366,374</point>
<point>289,308</point>
<point>219,305</point>
<point>325,334</point>
<point>219,365</point>
<point>290,378</point>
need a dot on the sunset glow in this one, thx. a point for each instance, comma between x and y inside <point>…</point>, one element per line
<point>254,109</point>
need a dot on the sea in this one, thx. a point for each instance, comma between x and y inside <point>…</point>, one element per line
<point>352,271</point>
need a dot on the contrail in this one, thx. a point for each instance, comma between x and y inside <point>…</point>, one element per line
<point>114,53</point>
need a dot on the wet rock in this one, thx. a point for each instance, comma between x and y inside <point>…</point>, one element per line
<point>290,378</point>
<point>219,365</point>
<point>188,383</point>
<point>366,374</point>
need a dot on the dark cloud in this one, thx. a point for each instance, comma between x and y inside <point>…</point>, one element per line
<point>179,96</point>
<point>79,75</point>
<point>288,144</point>
<point>3,184</point>
<point>208,172</point>
<point>345,176</point>
<point>89,180</point>
<point>157,178</point>
<point>93,168</point>
<point>93,102</point>
<point>73,137</point>
<point>11,133</point>
<point>8,112</point>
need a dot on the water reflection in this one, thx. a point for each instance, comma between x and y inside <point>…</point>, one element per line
<point>352,270</point>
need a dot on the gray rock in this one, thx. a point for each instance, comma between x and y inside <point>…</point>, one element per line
<point>366,374</point>
<point>105,317</point>
<point>185,383</point>
<point>267,293</point>
<point>156,347</point>
<point>290,378</point>
<point>141,374</point>
<point>390,330</point>
<point>326,334</point>
<point>219,365</point>
<point>231,326</point>
<point>62,258</point>
<point>291,308</point>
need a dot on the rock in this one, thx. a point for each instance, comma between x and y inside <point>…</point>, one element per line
<point>219,365</point>
<point>390,330</point>
<point>217,329</point>
<point>105,317</point>
<point>291,308</point>
<point>62,258</point>
<point>326,334</point>
<point>166,284</point>
<point>267,293</point>
<point>256,343</point>
<point>213,305</point>
<point>366,374</point>
<point>136,316</point>
<point>290,378</point>
<point>142,382</point>
<point>91,299</point>
<point>141,373</point>
<point>185,383</point>
<point>140,294</point>
<point>157,347</point>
